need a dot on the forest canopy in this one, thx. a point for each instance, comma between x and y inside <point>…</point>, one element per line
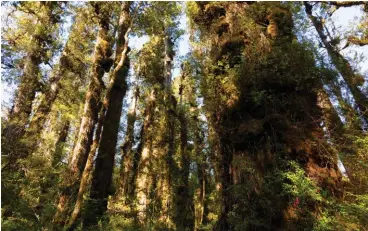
<point>223,116</point>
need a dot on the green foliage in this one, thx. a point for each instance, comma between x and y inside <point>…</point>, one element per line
<point>300,186</point>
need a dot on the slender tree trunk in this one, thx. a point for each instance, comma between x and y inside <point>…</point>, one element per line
<point>86,173</point>
<point>331,119</point>
<point>334,126</point>
<point>33,132</point>
<point>60,143</point>
<point>46,182</point>
<point>203,185</point>
<point>351,115</point>
<point>184,203</point>
<point>101,64</point>
<point>102,176</point>
<point>127,159</point>
<point>202,211</point>
<point>170,169</point>
<point>341,64</point>
<point>184,216</point>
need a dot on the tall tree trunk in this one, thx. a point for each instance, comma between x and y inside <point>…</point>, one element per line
<point>33,132</point>
<point>70,66</point>
<point>86,173</point>
<point>334,126</point>
<point>101,64</point>
<point>170,169</point>
<point>46,183</point>
<point>341,64</point>
<point>203,185</point>
<point>102,176</point>
<point>12,144</point>
<point>127,156</point>
<point>60,143</point>
<point>184,214</point>
<point>331,119</point>
<point>202,207</point>
<point>225,183</point>
<point>145,152</point>
<point>351,115</point>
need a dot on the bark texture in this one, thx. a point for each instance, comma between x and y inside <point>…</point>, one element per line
<point>127,156</point>
<point>13,143</point>
<point>102,176</point>
<point>101,64</point>
<point>144,180</point>
<point>341,64</point>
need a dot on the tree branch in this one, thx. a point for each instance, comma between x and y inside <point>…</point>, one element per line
<point>339,4</point>
<point>358,41</point>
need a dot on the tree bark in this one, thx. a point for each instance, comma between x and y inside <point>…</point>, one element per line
<point>67,63</point>
<point>86,173</point>
<point>170,169</point>
<point>127,156</point>
<point>184,216</point>
<point>102,176</point>
<point>184,213</point>
<point>101,64</point>
<point>60,143</point>
<point>145,152</point>
<point>341,64</point>
<point>351,115</point>
<point>12,143</point>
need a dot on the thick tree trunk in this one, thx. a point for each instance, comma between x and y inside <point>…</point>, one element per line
<point>102,176</point>
<point>145,151</point>
<point>341,64</point>
<point>101,64</point>
<point>225,183</point>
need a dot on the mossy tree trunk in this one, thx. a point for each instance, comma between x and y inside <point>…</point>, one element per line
<point>144,150</point>
<point>341,64</point>
<point>184,214</point>
<point>101,64</point>
<point>102,175</point>
<point>127,156</point>
<point>13,143</point>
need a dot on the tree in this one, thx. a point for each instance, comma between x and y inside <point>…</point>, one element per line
<point>101,64</point>
<point>341,64</point>
<point>38,46</point>
<point>235,88</point>
<point>102,176</point>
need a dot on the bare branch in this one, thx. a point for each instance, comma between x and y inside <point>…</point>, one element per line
<point>339,4</point>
